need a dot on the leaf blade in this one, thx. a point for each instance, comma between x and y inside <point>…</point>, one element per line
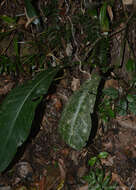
<point>75,123</point>
<point>17,112</point>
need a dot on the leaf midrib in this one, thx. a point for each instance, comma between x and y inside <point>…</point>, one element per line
<point>75,116</point>
<point>20,107</point>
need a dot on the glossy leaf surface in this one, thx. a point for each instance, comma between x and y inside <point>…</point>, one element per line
<point>17,113</point>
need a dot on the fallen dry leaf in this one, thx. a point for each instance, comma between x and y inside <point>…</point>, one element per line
<point>75,85</point>
<point>62,169</point>
<point>6,88</point>
<point>111,83</point>
<point>108,145</point>
<point>127,121</point>
<point>109,10</point>
<point>81,171</point>
<point>64,152</point>
<point>117,178</point>
<point>85,187</point>
<point>75,156</point>
<point>58,105</point>
<point>52,177</point>
<point>63,83</point>
<point>127,2</point>
<point>21,21</point>
<point>109,161</point>
<point>42,183</point>
<point>69,49</point>
<point>56,102</point>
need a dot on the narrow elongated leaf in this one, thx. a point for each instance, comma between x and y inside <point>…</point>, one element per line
<point>17,112</point>
<point>104,21</point>
<point>75,123</point>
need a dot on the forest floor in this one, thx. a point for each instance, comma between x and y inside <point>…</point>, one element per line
<point>46,162</point>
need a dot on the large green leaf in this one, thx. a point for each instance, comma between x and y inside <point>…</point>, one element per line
<point>17,113</point>
<point>75,123</point>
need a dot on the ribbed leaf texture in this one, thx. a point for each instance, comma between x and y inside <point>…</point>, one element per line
<point>75,124</point>
<point>17,113</point>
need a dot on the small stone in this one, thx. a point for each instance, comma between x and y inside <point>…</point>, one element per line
<point>24,169</point>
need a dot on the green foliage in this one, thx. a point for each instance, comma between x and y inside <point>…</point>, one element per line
<point>8,19</point>
<point>7,65</point>
<point>115,103</point>
<point>75,124</point>
<point>89,23</point>
<point>49,42</point>
<point>57,30</point>
<point>131,69</point>
<point>104,21</point>
<point>131,98</point>
<point>127,104</point>
<point>103,155</point>
<point>103,54</point>
<point>100,53</point>
<point>105,107</point>
<point>111,92</point>
<point>131,65</point>
<point>17,113</point>
<point>92,24</point>
<point>122,107</point>
<point>97,179</point>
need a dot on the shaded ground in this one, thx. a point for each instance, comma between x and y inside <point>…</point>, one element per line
<point>45,162</point>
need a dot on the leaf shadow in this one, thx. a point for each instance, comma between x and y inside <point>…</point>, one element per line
<point>94,115</point>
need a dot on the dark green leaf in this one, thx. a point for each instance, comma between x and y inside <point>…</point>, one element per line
<point>75,123</point>
<point>30,9</point>
<point>8,19</point>
<point>104,21</point>
<point>32,14</point>
<point>92,13</point>
<point>17,113</point>
<point>132,107</point>
<point>111,92</point>
<point>130,98</point>
<point>131,65</point>
<point>100,175</point>
<point>103,155</point>
<point>95,187</point>
<point>111,187</point>
<point>16,46</point>
<point>104,54</point>
<point>92,161</point>
<point>122,107</point>
<point>92,180</point>
<point>106,180</point>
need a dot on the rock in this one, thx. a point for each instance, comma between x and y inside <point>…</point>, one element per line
<point>24,169</point>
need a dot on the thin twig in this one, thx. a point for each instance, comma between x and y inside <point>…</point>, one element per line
<point>67,5</point>
<point>77,49</point>
<point>10,40</point>
<point>92,47</point>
